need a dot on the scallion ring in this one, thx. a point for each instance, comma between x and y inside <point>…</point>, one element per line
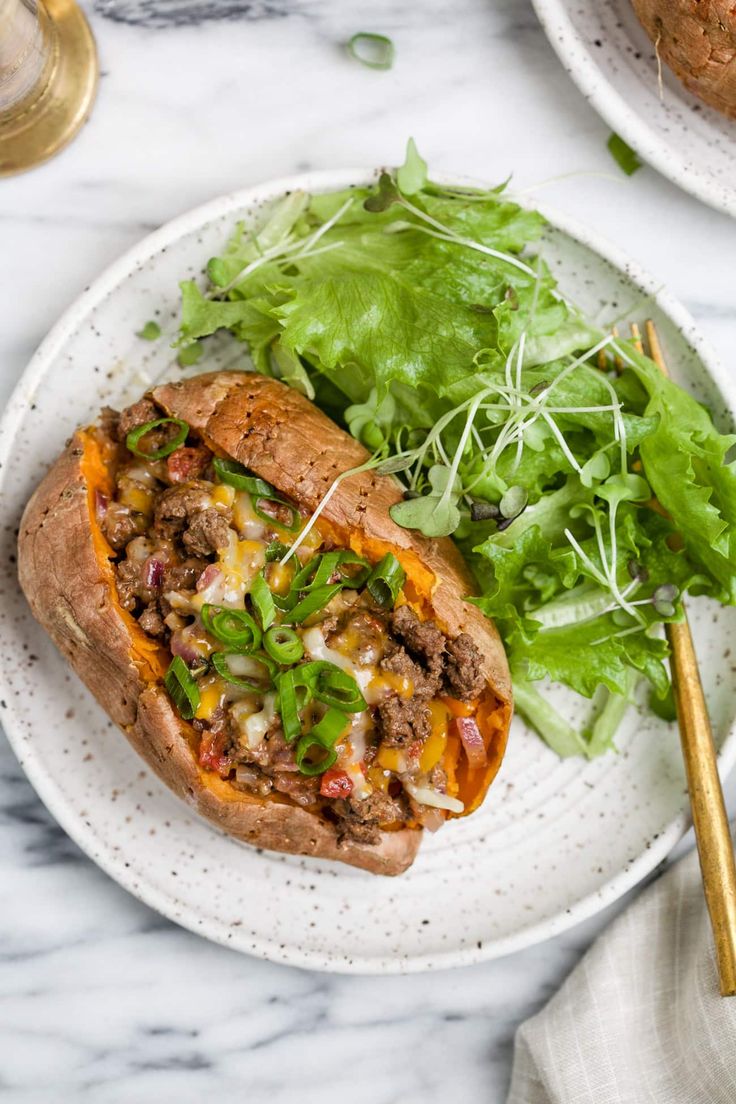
<point>182,688</point>
<point>356,580</point>
<point>233,627</point>
<point>263,602</point>
<point>376,51</point>
<point>319,571</point>
<point>235,475</point>
<point>315,753</point>
<point>292,526</point>
<point>221,663</point>
<point>291,700</point>
<point>312,602</point>
<point>385,581</point>
<point>135,435</point>
<point>283,644</point>
<point>331,685</point>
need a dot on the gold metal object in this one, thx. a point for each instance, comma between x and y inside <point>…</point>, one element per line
<point>710,821</point>
<point>48,79</point>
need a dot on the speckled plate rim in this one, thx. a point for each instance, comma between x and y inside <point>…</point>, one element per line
<point>82,833</point>
<point>591,80</point>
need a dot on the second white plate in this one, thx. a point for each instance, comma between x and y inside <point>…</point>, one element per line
<point>607,53</point>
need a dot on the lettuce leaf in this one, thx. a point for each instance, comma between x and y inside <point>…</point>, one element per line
<point>425,319</point>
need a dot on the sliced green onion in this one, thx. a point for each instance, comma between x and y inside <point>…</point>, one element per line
<point>233,627</point>
<point>386,580</point>
<point>326,568</point>
<point>289,705</point>
<point>356,580</point>
<point>376,51</point>
<point>221,663</point>
<point>283,644</point>
<point>304,577</point>
<point>285,602</point>
<point>263,602</point>
<point>293,526</point>
<point>318,571</point>
<point>234,474</point>
<point>150,332</point>
<point>275,550</point>
<point>182,688</point>
<point>320,740</point>
<point>131,441</point>
<point>624,156</point>
<point>331,685</point>
<point>315,600</point>
<point>307,765</point>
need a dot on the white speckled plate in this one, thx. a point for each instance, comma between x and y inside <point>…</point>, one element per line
<point>606,51</point>
<point>554,842</point>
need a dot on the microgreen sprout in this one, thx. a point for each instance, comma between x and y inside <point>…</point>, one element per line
<point>484,511</point>
<point>389,193</point>
<point>288,248</point>
<point>664,599</point>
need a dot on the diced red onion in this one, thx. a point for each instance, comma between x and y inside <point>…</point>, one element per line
<point>300,789</point>
<point>180,646</point>
<point>472,740</point>
<point>153,573</point>
<point>174,621</point>
<point>208,576</point>
<point>431,819</point>
<point>101,503</point>
<point>247,775</point>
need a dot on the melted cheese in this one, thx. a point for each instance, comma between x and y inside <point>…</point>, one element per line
<point>316,647</point>
<point>254,723</point>
<point>239,563</point>
<point>353,752</point>
<point>249,525</point>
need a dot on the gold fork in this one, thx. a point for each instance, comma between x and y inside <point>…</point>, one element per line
<point>712,833</point>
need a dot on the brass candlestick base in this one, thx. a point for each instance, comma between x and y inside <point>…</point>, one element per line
<point>52,112</point>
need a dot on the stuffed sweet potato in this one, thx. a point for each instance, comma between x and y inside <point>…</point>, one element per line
<point>332,700</point>
<point>697,39</point>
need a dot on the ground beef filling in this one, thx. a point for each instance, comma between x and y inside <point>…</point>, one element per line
<point>166,533</point>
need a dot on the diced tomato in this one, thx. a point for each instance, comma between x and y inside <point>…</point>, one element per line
<point>212,753</point>
<point>187,463</point>
<point>336,783</point>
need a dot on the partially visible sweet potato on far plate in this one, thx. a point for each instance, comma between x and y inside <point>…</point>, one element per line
<point>697,40</point>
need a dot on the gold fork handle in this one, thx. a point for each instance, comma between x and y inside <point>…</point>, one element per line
<point>712,832</point>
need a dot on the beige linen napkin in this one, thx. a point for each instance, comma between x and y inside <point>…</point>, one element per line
<point>640,1019</point>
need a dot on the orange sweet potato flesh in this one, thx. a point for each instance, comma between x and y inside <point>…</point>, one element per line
<point>67,575</point>
<point>697,40</point>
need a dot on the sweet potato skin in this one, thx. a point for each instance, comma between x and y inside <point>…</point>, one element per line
<point>66,573</point>
<point>697,40</point>
<point>70,590</point>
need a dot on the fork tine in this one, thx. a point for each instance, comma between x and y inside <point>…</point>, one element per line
<point>636,337</point>
<point>655,349</point>
<point>618,363</point>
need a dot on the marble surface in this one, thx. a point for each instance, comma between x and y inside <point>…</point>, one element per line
<point>100,999</point>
